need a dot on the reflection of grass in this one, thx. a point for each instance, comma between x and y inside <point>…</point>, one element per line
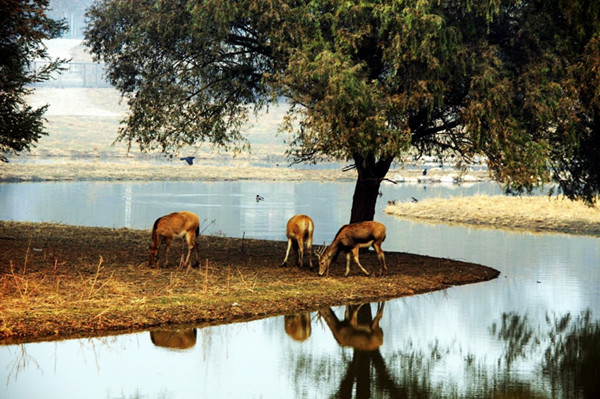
<point>555,214</point>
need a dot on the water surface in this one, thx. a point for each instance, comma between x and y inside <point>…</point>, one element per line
<point>533,332</point>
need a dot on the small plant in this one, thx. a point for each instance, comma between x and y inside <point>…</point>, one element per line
<point>203,227</point>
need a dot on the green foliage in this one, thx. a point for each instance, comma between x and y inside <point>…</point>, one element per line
<point>376,84</point>
<point>531,109</point>
<point>514,80</point>
<point>189,71</point>
<point>23,27</point>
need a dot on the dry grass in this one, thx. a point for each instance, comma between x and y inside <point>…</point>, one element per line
<point>83,124</point>
<point>538,214</point>
<point>62,281</point>
<point>134,170</point>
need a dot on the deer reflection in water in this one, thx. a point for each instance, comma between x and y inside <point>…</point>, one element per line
<point>366,372</point>
<point>297,326</point>
<point>362,333</point>
<point>174,339</point>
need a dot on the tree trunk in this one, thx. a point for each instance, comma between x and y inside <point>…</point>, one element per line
<point>366,191</point>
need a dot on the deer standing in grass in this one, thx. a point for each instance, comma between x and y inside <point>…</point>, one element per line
<point>177,224</point>
<point>299,232</point>
<point>350,238</point>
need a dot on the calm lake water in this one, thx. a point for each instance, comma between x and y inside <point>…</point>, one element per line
<point>532,333</point>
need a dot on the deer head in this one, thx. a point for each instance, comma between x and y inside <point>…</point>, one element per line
<point>320,251</point>
<point>322,258</point>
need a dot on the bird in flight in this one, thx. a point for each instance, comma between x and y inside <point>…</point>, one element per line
<point>189,160</point>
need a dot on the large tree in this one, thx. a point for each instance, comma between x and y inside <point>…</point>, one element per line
<point>23,28</point>
<point>514,80</point>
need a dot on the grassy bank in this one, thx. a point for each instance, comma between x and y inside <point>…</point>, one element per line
<point>62,281</point>
<point>537,214</point>
<point>133,170</point>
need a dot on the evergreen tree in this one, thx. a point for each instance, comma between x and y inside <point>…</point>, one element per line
<point>23,27</point>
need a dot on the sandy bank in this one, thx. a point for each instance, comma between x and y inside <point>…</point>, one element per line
<point>537,214</point>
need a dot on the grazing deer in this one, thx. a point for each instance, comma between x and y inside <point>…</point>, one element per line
<point>350,238</point>
<point>364,335</point>
<point>299,232</point>
<point>177,224</point>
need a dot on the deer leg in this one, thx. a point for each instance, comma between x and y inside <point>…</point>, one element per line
<point>195,242</point>
<point>190,245</point>
<point>347,264</point>
<point>309,248</point>
<point>380,257</point>
<point>378,316</point>
<point>167,246</point>
<point>154,248</point>
<point>355,255</point>
<point>353,310</point>
<point>287,253</point>
<point>300,253</point>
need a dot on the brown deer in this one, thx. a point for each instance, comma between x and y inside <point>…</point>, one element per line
<point>177,224</point>
<point>352,332</point>
<point>174,339</point>
<point>350,238</point>
<point>297,326</point>
<point>299,232</point>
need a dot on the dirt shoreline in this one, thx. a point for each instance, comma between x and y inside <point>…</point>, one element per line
<point>60,281</point>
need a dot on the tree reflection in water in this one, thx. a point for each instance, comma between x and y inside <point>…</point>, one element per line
<point>360,331</point>
<point>560,359</point>
<point>517,334</point>
<point>553,356</point>
<point>572,362</point>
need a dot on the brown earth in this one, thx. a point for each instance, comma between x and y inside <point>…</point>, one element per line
<point>59,281</point>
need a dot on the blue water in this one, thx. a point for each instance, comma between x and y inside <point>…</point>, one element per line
<point>532,332</point>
